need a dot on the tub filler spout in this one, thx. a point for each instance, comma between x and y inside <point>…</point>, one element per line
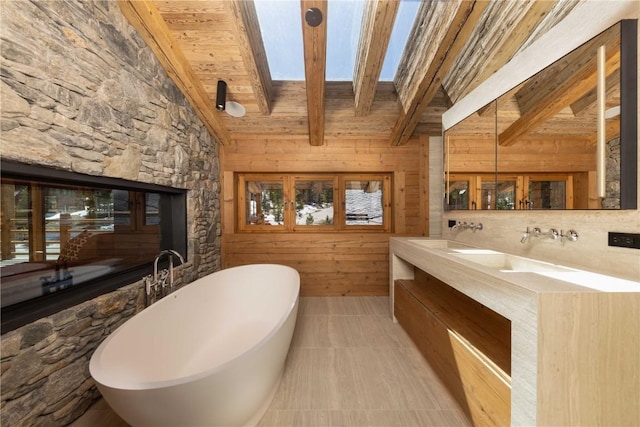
<point>161,281</point>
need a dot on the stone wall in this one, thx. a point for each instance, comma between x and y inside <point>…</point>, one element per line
<point>612,180</point>
<point>81,91</point>
<point>45,365</point>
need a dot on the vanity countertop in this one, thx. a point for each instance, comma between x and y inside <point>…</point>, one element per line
<point>513,270</point>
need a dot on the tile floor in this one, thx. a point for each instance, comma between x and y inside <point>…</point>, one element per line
<point>349,365</point>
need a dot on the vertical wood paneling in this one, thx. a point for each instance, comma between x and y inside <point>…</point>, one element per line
<point>335,263</point>
<point>228,201</point>
<point>399,200</point>
<point>423,186</point>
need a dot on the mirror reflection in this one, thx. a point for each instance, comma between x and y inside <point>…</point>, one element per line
<point>535,147</point>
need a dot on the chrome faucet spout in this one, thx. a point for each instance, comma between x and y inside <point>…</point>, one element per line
<point>570,235</point>
<point>171,253</point>
<point>525,236</point>
<point>176,253</point>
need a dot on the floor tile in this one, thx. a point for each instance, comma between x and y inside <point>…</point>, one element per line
<point>349,365</point>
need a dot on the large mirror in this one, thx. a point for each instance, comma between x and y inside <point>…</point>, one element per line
<point>536,146</point>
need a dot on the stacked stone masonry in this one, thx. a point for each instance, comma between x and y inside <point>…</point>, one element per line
<point>81,91</point>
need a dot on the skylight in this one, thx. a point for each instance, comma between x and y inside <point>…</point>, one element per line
<point>281,28</point>
<point>282,36</point>
<point>343,33</point>
<point>405,17</point>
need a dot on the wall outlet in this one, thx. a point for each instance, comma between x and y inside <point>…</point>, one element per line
<point>624,240</point>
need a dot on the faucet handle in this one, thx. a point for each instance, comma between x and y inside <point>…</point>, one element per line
<point>477,226</point>
<point>571,235</point>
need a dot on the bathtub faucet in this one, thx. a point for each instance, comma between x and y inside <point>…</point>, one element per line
<point>171,254</point>
<point>159,279</point>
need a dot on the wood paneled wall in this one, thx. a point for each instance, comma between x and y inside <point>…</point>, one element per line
<point>528,155</point>
<point>337,263</point>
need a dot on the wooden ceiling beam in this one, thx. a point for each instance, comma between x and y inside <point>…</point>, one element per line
<point>586,102</point>
<point>375,33</point>
<point>428,57</point>
<point>253,52</point>
<point>558,86</point>
<point>315,63</point>
<point>556,101</point>
<point>146,19</point>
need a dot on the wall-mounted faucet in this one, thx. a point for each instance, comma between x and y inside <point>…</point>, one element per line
<point>553,234</point>
<point>161,281</point>
<point>464,226</point>
<point>571,235</point>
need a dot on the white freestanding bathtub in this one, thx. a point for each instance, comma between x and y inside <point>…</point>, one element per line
<point>209,354</point>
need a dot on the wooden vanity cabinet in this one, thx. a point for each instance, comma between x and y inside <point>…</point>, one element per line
<point>467,344</point>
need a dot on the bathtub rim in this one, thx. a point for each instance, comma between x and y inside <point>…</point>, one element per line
<point>152,385</point>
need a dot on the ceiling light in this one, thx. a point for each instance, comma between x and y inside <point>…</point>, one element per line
<point>313,16</point>
<point>234,109</point>
<point>221,95</point>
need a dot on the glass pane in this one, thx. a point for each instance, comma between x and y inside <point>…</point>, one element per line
<point>55,237</point>
<point>264,201</point>
<point>121,203</point>
<point>152,209</point>
<point>71,211</point>
<point>363,203</point>
<point>488,197</point>
<point>407,11</point>
<point>547,195</point>
<point>459,195</point>
<point>314,202</point>
<point>16,202</point>
<point>283,45</point>
<point>506,195</point>
<point>343,34</point>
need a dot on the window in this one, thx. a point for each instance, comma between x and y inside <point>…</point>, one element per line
<point>68,237</point>
<point>548,192</point>
<point>508,192</point>
<point>313,202</point>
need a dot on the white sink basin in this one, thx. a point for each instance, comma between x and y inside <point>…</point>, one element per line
<point>441,244</point>
<point>505,262</point>
<point>513,263</point>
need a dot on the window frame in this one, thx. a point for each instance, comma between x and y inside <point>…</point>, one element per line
<point>289,197</point>
<point>173,234</point>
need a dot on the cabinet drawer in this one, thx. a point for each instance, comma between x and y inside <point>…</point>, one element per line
<point>478,384</point>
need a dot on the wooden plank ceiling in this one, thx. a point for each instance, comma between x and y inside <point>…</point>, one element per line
<point>453,47</point>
